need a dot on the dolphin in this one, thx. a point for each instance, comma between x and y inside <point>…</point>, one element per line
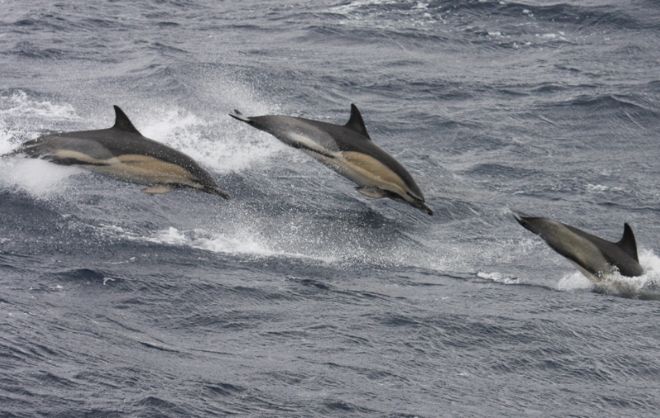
<point>594,256</point>
<point>124,153</point>
<point>348,150</point>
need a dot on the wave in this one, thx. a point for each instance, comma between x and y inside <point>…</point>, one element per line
<point>612,101</point>
<point>579,15</point>
<point>256,236</point>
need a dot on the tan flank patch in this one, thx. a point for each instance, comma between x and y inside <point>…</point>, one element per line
<point>374,172</point>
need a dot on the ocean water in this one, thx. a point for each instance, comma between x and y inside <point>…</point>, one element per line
<point>299,297</point>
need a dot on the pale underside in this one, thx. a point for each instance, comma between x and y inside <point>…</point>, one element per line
<point>136,168</point>
<point>374,177</point>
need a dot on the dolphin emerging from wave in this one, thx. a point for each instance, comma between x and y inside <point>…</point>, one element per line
<point>595,257</point>
<point>122,152</point>
<point>348,150</point>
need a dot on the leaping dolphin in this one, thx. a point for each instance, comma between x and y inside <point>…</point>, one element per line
<point>595,257</point>
<point>122,152</point>
<point>348,150</point>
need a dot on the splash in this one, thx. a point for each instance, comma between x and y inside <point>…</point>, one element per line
<point>21,105</point>
<point>498,277</point>
<point>21,115</point>
<point>40,179</point>
<point>574,281</point>
<point>644,286</point>
<point>222,145</point>
<point>251,234</point>
<point>243,242</point>
<point>7,136</point>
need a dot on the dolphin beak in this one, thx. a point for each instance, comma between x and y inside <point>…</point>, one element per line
<point>217,192</point>
<point>422,206</point>
<point>427,209</point>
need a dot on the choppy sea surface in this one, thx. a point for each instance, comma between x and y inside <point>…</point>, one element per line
<point>299,297</point>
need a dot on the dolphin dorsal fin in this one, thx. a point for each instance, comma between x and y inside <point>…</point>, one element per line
<point>123,123</point>
<point>356,123</point>
<point>628,243</point>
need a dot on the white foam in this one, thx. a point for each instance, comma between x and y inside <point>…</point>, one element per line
<point>598,188</point>
<point>242,240</point>
<point>552,36</point>
<point>250,234</point>
<point>7,136</point>
<point>38,178</point>
<point>358,12</point>
<point>574,281</point>
<point>616,283</point>
<point>352,6</point>
<point>22,115</point>
<point>20,104</point>
<point>223,145</point>
<point>498,277</point>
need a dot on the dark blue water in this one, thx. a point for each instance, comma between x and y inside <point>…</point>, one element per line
<point>298,297</point>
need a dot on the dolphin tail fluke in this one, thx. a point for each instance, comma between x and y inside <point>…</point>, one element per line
<point>238,115</point>
<point>524,220</point>
<point>519,215</point>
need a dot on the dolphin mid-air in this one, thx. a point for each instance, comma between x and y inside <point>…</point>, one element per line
<point>348,150</point>
<point>122,152</point>
<point>595,257</point>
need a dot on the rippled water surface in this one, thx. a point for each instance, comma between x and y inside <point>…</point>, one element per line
<point>299,297</point>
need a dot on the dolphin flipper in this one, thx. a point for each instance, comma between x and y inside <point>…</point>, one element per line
<point>371,192</point>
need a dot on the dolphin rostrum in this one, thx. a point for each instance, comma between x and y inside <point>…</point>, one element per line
<point>122,152</point>
<point>595,257</point>
<point>348,150</point>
